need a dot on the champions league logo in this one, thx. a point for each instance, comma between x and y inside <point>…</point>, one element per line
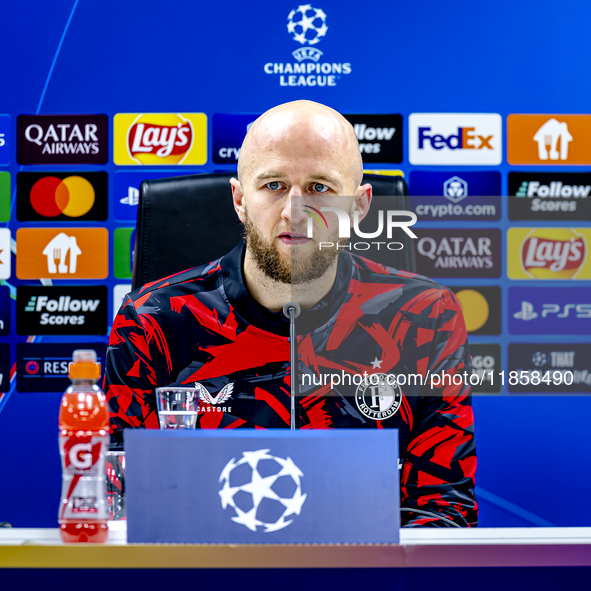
<point>263,490</point>
<point>307,25</point>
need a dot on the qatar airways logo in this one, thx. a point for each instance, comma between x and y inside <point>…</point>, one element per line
<point>345,227</point>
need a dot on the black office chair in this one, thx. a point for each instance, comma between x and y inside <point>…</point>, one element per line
<point>187,221</point>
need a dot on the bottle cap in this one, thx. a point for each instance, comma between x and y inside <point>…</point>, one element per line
<point>84,365</point>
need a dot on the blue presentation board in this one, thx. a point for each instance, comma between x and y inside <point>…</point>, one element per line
<point>216,67</point>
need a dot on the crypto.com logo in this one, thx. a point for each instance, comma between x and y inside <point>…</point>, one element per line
<point>345,227</point>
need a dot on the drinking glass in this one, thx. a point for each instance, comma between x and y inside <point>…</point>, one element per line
<point>177,407</point>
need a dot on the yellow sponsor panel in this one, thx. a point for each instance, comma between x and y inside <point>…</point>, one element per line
<point>385,172</point>
<point>160,139</point>
<point>548,253</point>
<point>62,253</point>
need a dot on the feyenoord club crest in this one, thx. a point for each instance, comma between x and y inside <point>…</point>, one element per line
<point>378,397</point>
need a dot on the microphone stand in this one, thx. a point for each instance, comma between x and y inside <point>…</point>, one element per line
<point>292,311</point>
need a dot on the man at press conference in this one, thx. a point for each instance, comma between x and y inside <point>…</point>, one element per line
<point>222,324</point>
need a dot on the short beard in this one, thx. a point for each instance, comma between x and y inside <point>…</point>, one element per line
<point>269,260</point>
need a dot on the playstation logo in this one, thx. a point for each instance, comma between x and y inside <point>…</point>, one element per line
<point>526,312</point>
<point>132,198</point>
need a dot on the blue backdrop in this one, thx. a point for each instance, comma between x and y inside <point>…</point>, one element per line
<point>83,57</point>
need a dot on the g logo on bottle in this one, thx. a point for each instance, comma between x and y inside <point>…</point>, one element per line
<point>81,456</point>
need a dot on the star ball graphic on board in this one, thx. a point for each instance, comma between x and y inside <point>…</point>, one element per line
<point>160,138</point>
<point>307,25</point>
<point>549,139</point>
<point>62,253</point>
<point>548,253</point>
<point>62,196</point>
<point>263,490</point>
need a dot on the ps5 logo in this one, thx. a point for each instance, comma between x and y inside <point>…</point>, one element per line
<point>527,311</point>
<point>132,197</point>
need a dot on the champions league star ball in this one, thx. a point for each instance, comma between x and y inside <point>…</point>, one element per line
<point>263,490</point>
<point>539,359</point>
<point>307,24</point>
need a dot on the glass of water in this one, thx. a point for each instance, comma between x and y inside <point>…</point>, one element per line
<point>177,407</point>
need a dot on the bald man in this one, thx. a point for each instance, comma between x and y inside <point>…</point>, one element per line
<point>221,325</point>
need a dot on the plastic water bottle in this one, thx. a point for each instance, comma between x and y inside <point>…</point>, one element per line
<point>83,441</point>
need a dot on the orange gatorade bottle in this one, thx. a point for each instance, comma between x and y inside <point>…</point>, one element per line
<point>83,441</point>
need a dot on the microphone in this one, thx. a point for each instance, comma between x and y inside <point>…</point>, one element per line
<point>292,310</point>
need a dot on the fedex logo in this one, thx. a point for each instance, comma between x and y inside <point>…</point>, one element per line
<point>455,138</point>
<point>465,139</point>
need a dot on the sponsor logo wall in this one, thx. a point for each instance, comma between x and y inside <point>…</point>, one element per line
<point>76,199</point>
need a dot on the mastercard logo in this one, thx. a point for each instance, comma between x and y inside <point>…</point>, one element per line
<point>481,308</point>
<point>73,196</point>
<point>474,307</point>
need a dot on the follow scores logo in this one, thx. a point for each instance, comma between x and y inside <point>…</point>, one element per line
<point>80,196</point>
<point>160,138</point>
<point>455,138</point>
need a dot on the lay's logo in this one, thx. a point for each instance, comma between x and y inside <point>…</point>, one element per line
<point>549,253</point>
<point>160,138</point>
